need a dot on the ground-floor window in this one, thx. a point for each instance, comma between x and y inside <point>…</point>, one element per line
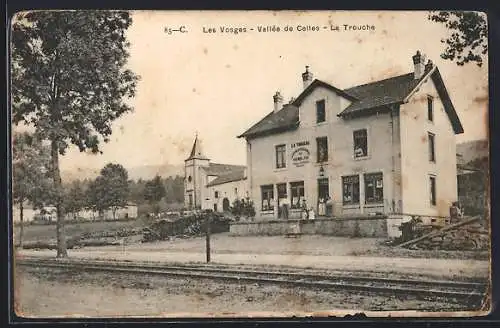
<point>432,182</point>
<point>190,201</point>
<point>350,189</point>
<point>267,197</point>
<point>297,191</point>
<point>374,188</point>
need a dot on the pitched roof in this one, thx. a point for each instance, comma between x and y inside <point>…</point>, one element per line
<point>380,93</point>
<point>196,151</point>
<point>285,119</point>
<point>366,99</point>
<point>235,175</point>
<point>222,169</point>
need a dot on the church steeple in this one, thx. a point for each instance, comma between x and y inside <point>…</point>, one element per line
<point>196,151</point>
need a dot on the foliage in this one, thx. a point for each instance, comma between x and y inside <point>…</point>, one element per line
<point>468,41</point>
<point>75,197</point>
<point>174,187</point>
<point>30,170</point>
<point>110,190</point>
<point>69,81</point>
<point>30,174</point>
<point>154,191</point>
<point>243,208</point>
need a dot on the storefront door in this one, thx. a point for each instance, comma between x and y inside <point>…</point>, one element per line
<point>323,193</point>
<point>281,194</point>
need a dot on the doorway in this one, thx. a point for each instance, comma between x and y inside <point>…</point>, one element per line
<point>225,204</point>
<point>323,194</point>
<point>215,207</point>
<point>281,195</point>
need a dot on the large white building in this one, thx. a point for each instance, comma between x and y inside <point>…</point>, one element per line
<point>386,146</point>
<point>210,185</point>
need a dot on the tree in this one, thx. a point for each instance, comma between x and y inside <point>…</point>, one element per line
<point>110,189</point>
<point>468,41</point>
<point>69,82</point>
<point>154,191</point>
<point>74,199</point>
<point>30,174</point>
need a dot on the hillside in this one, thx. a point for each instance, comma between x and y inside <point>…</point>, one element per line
<point>145,172</point>
<point>472,150</point>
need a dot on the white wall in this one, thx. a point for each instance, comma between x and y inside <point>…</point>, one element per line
<point>231,190</point>
<point>193,169</point>
<point>415,164</point>
<point>261,153</point>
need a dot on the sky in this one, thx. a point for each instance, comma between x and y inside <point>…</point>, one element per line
<point>219,84</point>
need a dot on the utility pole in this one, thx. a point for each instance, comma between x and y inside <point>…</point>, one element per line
<point>207,231</point>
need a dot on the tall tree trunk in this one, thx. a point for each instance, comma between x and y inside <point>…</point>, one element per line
<point>61,238</point>
<point>21,209</point>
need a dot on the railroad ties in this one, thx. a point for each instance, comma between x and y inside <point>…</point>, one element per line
<point>418,288</point>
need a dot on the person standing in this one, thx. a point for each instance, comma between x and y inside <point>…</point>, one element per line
<point>285,205</point>
<point>305,210</point>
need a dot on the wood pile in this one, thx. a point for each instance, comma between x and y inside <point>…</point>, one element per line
<point>471,235</point>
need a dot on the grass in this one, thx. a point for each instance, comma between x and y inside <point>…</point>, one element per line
<point>48,232</point>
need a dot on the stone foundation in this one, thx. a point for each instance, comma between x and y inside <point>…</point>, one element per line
<point>374,226</point>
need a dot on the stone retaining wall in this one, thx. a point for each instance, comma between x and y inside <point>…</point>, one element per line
<point>342,227</point>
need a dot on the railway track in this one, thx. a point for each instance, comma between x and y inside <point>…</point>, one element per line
<point>423,289</point>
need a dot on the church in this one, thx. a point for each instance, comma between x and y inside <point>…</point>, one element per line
<point>210,185</point>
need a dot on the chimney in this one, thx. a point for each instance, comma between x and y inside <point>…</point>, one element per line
<point>429,65</point>
<point>307,77</point>
<point>419,65</point>
<point>278,101</point>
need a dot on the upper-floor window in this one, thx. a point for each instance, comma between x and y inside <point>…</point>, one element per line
<point>236,191</point>
<point>432,185</point>
<point>320,111</point>
<point>350,189</point>
<point>374,188</point>
<point>430,108</point>
<point>360,143</point>
<point>216,194</point>
<point>280,156</point>
<point>322,149</point>
<point>432,147</point>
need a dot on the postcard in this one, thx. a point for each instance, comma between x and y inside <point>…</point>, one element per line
<point>250,164</point>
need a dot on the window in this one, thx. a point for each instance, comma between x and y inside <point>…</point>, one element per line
<point>236,191</point>
<point>360,143</point>
<point>432,182</point>
<point>432,148</point>
<point>320,111</point>
<point>216,194</point>
<point>190,200</point>
<point>430,108</point>
<point>350,187</point>
<point>189,179</point>
<point>267,197</point>
<point>297,190</point>
<point>374,188</point>
<point>280,156</point>
<point>322,149</point>
<point>281,191</point>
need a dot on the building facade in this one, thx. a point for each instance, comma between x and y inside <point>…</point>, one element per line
<point>210,185</point>
<point>383,147</point>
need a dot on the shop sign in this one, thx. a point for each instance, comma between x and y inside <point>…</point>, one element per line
<point>300,156</point>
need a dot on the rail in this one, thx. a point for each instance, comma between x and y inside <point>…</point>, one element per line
<point>419,288</point>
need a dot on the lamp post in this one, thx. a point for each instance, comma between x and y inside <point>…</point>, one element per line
<point>207,235</point>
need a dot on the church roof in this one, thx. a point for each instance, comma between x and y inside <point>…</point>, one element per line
<point>222,169</point>
<point>196,151</point>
